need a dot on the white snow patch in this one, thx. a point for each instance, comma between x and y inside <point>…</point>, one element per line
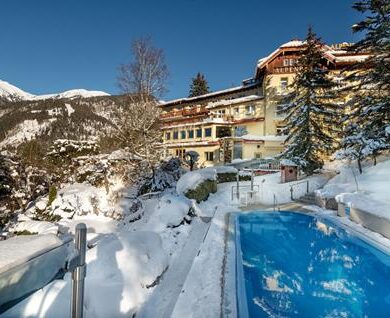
<point>38,227</point>
<point>69,109</point>
<point>192,179</point>
<point>120,269</point>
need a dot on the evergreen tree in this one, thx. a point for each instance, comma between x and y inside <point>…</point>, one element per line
<point>369,84</point>
<point>199,86</point>
<point>311,110</point>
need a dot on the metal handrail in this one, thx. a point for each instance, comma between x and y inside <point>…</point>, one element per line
<point>298,183</point>
<point>257,186</point>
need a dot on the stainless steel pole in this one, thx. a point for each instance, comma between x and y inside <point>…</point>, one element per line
<point>238,185</point>
<point>252,179</point>
<point>79,273</point>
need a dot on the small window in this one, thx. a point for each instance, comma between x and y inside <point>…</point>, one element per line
<point>207,132</point>
<point>221,113</point>
<point>237,111</point>
<point>250,109</point>
<point>199,133</point>
<point>240,131</point>
<point>283,83</point>
<point>175,135</point>
<point>190,134</point>
<point>183,134</point>
<point>209,155</point>
<point>168,136</point>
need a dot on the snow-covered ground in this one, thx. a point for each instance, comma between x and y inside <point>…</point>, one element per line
<point>169,262</point>
<point>368,191</point>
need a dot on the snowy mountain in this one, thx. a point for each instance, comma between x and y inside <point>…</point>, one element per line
<point>11,92</point>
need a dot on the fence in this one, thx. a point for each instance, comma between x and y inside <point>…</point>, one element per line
<point>299,189</point>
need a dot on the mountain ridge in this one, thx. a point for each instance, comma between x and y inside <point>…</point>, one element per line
<point>11,92</point>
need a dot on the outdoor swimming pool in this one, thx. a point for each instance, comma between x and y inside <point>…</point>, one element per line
<point>295,265</point>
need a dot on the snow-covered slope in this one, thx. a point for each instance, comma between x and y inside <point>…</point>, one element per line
<point>12,92</point>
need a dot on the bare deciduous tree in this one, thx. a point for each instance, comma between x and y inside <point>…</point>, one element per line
<point>138,128</point>
<point>147,73</point>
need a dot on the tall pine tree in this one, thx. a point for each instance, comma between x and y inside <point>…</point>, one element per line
<point>311,110</point>
<point>367,133</point>
<point>199,86</point>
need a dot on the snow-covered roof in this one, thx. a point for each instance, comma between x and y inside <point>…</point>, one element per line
<point>263,138</point>
<point>351,58</point>
<point>293,43</point>
<point>332,53</point>
<point>288,162</point>
<point>216,93</point>
<point>225,102</point>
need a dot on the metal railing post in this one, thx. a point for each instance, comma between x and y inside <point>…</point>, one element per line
<point>238,186</point>
<point>78,274</point>
<point>252,179</point>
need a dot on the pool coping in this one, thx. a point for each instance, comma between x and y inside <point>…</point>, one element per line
<point>229,300</point>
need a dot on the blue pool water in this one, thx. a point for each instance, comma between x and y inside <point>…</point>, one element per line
<point>295,265</point>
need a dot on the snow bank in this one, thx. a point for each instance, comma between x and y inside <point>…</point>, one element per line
<point>222,169</point>
<point>364,203</point>
<point>80,199</point>
<point>191,180</point>
<point>19,249</point>
<point>38,227</point>
<point>367,192</point>
<point>169,212</point>
<point>27,263</point>
<point>120,270</point>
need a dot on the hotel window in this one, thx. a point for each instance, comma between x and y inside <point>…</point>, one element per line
<point>168,136</point>
<point>250,109</point>
<point>175,135</point>
<point>183,134</point>
<point>199,133</point>
<point>221,113</point>
<point>207,132</point>
<point>190,134</point>
<point>240,131</point>
<point>209,155</point>
<point>283,83</point>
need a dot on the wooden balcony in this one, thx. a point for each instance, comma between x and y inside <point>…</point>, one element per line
<point>185,113</point>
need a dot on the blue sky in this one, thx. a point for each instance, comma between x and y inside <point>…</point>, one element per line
<point>49,46</point>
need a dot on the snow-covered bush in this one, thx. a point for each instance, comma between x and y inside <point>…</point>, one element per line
<point>164,176</point>
<point>170,212</point>
<point>225,173</point>
<point>81,199</point>
<point>19,185</point>
<point>198,184</point>
<point>65,149</point>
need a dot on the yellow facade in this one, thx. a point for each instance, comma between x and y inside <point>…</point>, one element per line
<point>244,122</point>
